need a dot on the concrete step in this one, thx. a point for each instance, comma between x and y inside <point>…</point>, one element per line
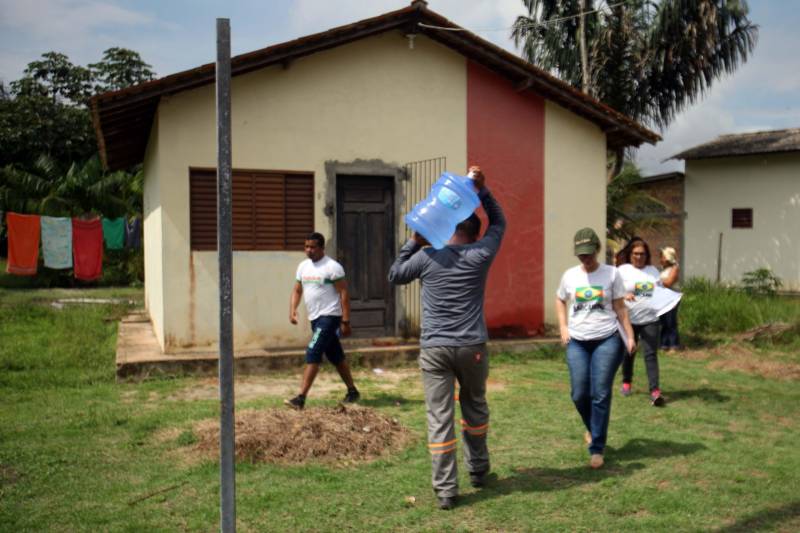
<point>139,355</point>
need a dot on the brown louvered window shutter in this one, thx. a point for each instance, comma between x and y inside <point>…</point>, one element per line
<point>271,210</point>
<point>299,211</point>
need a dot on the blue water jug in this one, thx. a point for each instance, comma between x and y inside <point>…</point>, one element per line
<point>451,200</point>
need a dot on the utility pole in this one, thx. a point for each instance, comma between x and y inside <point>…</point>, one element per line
<point>227,487</point>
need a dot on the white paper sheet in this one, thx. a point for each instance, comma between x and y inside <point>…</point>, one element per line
<point>664,300</point>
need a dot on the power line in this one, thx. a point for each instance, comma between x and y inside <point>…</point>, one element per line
<point>530,25</point>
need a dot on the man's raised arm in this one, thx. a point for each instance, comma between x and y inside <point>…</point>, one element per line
<point>409,264</point>
<point>497,220</point>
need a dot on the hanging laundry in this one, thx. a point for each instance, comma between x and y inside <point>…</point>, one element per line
<point>23,244</point>
<point>114,233</point>
<point>133,233</point>
<point>87,248</point>
<point>57,242</point>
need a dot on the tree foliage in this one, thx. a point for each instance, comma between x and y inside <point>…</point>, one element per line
<point>45,112</point>
<point>48,152</point>
<point>83,188</point>
<point>629,209</point>
<point>649,59</point>
<point>120,68</point>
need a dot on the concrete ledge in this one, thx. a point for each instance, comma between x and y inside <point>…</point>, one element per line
<point>139,355</point>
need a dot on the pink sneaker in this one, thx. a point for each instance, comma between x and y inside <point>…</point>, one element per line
<point>655,398</point>
<point>626,389</point>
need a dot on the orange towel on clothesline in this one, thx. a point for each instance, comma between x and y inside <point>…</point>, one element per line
<point>23,244</point>
<point>87,248</point>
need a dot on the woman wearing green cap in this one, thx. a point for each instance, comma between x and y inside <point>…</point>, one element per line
<point>590,307</point>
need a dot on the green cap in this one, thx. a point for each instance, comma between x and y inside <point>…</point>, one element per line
<point>586,242</point>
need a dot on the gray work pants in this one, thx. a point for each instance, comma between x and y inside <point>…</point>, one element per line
<point>441,367</point>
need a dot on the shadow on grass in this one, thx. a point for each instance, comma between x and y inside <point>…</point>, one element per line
<point>619,463</point>
<point>705,394</point>
<point>650,448</point>
<point>765,519</point>
<point>388,400</point>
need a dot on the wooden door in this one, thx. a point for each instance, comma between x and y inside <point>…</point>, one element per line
<point>365,248</point>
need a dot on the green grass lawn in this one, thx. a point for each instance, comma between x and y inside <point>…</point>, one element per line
<point>79,452</point>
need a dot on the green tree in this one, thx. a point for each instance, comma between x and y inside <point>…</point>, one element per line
<point>83,188</point>
<point>648,59</point>
<point>120,68</point>
<point>629,210</point>
<point>45,112</point>
<point>56,77</point>
<point>32,124</point>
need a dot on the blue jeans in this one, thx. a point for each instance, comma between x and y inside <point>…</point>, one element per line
<point>592,366</point>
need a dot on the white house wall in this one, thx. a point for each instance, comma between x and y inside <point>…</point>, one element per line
<point>770,185</point>
<point>153,251</point>
<point>409,105</point>
<point>574,192</point>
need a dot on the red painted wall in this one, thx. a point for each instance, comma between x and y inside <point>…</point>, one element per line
<point>505,136</point>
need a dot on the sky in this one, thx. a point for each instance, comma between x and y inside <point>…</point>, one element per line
<point>175,35</point>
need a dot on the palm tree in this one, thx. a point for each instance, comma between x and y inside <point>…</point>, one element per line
<point>648,59</point>
<point>83,188</point>
<point>629,209</point>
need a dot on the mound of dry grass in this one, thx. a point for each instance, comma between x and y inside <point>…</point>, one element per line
<point>342,435</point>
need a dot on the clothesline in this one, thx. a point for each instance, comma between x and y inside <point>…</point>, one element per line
<point>66,243</point>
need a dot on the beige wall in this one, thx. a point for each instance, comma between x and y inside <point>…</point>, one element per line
<point>770,185</point>
<point>372,99</point>
<point>574,192</point>
<point>153,251</point>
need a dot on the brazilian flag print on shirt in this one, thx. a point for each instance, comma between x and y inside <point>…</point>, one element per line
<point>593,293</point>
<point>643,288</point>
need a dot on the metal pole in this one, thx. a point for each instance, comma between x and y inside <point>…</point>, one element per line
<point>227,491</point>
<point>719,259</point>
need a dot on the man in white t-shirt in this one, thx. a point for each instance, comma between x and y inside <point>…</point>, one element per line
<point>320,280</point>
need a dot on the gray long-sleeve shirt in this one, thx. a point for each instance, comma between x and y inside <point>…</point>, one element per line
<point>453,282</point>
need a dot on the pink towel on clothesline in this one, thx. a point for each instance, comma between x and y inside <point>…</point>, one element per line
<point>87,248</point>
<point>23,244</point>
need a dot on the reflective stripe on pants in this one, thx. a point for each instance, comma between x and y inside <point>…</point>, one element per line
<point>441,368</point>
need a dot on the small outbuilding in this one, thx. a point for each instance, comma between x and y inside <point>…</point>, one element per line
<point>666,221</point>
<point>343,132</point>
<point>742,202</point>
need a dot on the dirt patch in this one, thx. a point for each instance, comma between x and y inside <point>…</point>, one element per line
<point>247,388</point>
<point>768,368</point>
<point>8,475</point>
<point>327,383</point>
<point>337,435</point>
<point>692,355</point>
<point>743,358</point>
<point>782,421</point>
<point>166,435</point>
<point>495,385</point>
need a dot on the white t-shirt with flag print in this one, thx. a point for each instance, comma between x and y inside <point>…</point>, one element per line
<point>589,296</point>
<point>642,283</point>
<point>319,293</point>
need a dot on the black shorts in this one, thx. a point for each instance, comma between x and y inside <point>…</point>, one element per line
<point>325,339</point>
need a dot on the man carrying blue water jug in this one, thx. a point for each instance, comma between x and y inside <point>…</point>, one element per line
<point>453,339</point>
